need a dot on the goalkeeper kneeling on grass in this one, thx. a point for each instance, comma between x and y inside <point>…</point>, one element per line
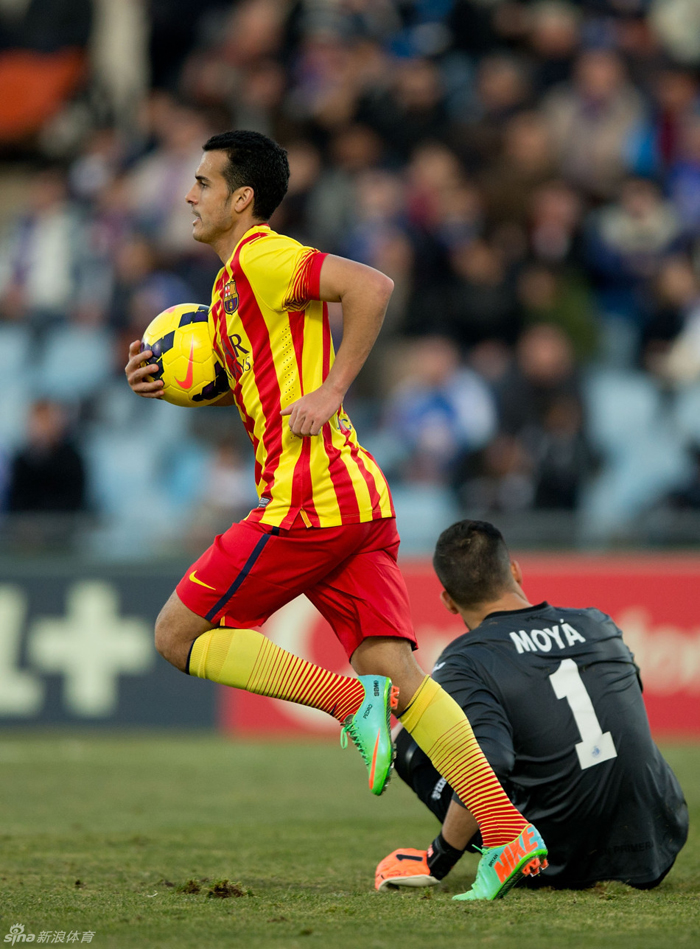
<point>555,701</point>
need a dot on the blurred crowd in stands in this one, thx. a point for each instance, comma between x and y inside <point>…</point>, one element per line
<point>528,173</point>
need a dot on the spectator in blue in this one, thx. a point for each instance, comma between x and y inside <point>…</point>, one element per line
<point>439,413</point>
<point>626,241</point>
<point>684,178</point>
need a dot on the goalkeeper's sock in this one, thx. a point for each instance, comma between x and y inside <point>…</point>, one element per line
<point>245,659</point>
<point>442,730</point>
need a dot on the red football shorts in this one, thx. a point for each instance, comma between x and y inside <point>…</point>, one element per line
<point>349,573</point>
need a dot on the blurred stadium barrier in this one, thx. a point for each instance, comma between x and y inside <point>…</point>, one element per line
<point>76,647</point>
<point>76,644</point>
<point>653,599</point>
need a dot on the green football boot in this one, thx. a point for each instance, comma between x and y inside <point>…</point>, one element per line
<point>370,729</point>
<point>500,868</point>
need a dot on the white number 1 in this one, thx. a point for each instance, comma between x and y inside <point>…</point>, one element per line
<point>595,746</point>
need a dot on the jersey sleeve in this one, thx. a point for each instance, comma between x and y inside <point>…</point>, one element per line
<point>284,274</point>
<point>486,715</point>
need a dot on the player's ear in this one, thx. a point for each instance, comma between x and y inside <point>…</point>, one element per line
<point>243,198</point>
<point>448,602</point>
<point>517,572</point>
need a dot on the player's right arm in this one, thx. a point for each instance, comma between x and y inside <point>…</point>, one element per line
<point>138,369</point>
<point>364,294</point>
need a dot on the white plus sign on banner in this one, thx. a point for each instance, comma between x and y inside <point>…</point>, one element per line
<point>21,692</point>
<point>91,646</point>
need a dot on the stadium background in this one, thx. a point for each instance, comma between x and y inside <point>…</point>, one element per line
<point>529,176</point>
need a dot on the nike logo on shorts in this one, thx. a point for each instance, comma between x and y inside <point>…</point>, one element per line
<point>196,579</point>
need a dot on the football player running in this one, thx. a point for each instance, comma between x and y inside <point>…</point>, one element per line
<point>555,700</point>
<point>325,524</point>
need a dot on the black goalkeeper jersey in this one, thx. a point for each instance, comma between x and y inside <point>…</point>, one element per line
<point>555,701</point>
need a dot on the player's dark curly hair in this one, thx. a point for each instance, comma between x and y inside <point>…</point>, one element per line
<point>257,162</point>
<point>472,563</point>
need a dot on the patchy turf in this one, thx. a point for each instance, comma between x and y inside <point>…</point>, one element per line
<point>195,841</point>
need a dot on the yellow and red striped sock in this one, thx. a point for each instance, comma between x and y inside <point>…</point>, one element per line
<point>245,659</point>
<point>441,729</point>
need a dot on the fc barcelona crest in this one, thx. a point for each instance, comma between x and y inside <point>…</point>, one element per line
<point>230,296</point>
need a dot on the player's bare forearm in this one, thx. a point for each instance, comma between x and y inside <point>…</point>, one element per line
<point>364,294</point>
<point>459,826</point>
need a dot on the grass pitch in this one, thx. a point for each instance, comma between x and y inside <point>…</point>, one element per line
<point>196,841</point>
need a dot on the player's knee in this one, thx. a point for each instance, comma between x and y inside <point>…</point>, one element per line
<point>176,629</point>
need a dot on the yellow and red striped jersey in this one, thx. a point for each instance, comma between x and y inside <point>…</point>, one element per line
<point>272,333</point>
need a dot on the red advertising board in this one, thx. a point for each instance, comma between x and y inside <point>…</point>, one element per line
<point>655,600</point>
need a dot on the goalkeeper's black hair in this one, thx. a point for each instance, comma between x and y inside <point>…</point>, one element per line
<point>472,563</point>
<point>257,162</point>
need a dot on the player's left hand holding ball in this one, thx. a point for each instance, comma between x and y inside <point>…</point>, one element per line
<point>139,373</point>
